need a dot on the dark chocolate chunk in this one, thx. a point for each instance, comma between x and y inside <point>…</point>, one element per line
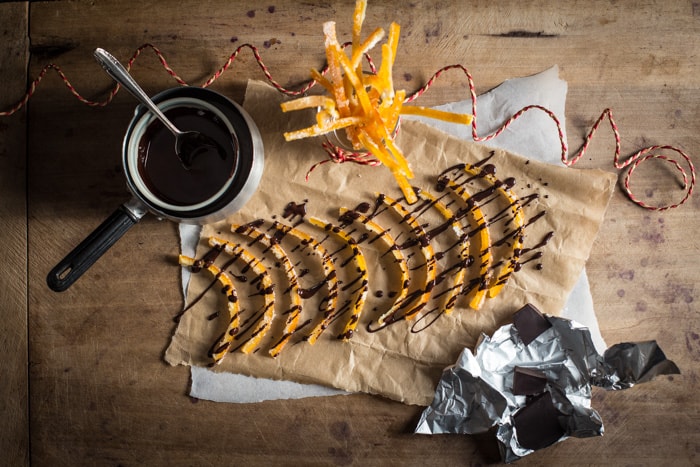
<point>528,381</point>
<point>530,323</point>
<point>537,424</point>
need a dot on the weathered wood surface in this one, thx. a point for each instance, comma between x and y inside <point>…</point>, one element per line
<point>99,391</point>
<point>14,431</point>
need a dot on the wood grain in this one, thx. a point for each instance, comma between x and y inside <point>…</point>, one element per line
<point>14,431</point>
<point>100,393</point>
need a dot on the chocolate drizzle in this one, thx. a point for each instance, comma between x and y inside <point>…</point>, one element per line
<point>483,232</point>
<point>294,212</point>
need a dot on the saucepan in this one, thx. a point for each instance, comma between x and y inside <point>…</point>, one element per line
<point>207,189</point>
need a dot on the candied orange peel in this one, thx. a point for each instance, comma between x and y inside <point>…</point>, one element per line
<point>361,267</point>
<point>399,259</point>
<point>365,105</point>
<point>266,290</point>
<point>477,294</point>
<point>463,242</point>
<point>427,251</point>
<point>499,279</point>
<point>222,345</point>
<point>258,236</point>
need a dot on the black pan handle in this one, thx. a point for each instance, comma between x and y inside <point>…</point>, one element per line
<point>95,245</point>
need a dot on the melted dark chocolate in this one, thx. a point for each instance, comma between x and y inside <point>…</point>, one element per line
<point>163,172</point>
<point>295,212</point>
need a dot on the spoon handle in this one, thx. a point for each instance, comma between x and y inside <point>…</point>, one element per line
<point>120,74</point>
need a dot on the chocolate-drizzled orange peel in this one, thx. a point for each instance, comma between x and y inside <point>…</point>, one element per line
<point>221,347</point>
<point>366,105</point>
<point>265,285</point>
<point>499,279</point>
<point>361,266</point>
<point>461,273</point>
<point>329,272</point>
<point>392,248</point>
<point>293,314</point>
<point>477,294</point>
<point>426,249</point>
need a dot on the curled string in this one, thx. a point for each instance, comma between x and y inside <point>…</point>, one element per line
<point>636,159</point>
<point>339,155</point>
<point>630,164</point>
<point>161,57</point>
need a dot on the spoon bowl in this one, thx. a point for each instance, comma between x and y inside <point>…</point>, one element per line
<point>188,144</point>
<point>191,144</point>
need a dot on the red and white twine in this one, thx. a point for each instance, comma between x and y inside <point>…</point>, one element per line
<point>339,155</point>
<point>631,163</point>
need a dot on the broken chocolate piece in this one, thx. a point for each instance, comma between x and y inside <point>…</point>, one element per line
<point>530,323</point>
<point>537,424</point>
<point>528,381</point>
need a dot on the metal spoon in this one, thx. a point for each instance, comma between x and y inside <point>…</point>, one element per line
<point>187,143</point>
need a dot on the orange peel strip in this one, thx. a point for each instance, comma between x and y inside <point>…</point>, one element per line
<point>391,110</point>
<point>361,49</point>
<point>405,186</point>
<point>318,130</point>
<point>383,157</point>
<point>293,314</point>
<point>322,80</point>
<point>361,265</point>
<point>358,18</point>
<point>435,114</point>
<point>334,69</point>
<point>308,102</point>
<point>395,252</point>
<point>266,287</point>
<point>388,57</point>
<point>477,295</point>
<point>329,271</point>
<point>353,77</point>
<point>500,279</point>
<point>222,346</point>
<point>460,275</point>
<point>426,249</point>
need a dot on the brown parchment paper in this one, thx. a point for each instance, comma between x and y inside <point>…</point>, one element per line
<point>395,362</point>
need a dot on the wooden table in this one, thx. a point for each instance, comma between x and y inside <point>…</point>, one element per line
<point>83,380</point>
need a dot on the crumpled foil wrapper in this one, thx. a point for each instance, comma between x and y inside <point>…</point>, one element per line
<point>532,381</point>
